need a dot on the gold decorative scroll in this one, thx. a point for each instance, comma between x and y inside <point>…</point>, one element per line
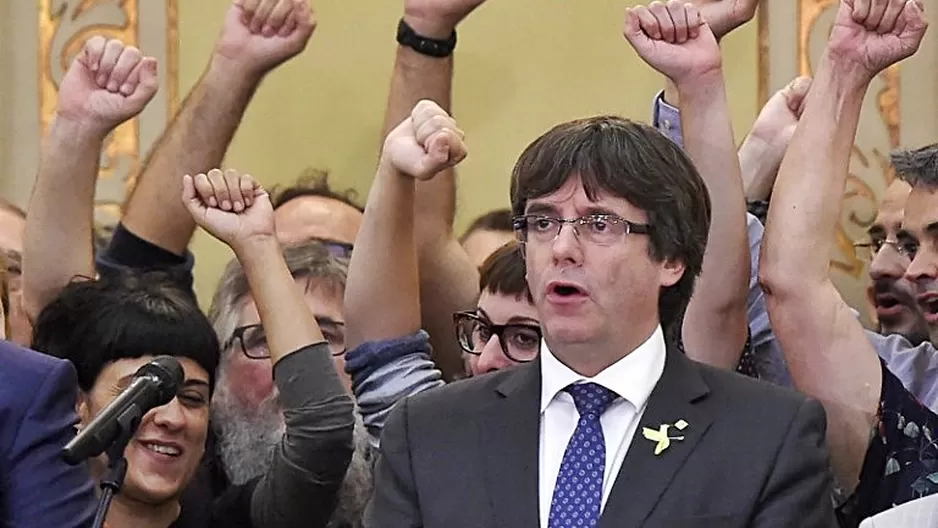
<point>64,26</point>
<point>870,168</point>
<point>172,54</point>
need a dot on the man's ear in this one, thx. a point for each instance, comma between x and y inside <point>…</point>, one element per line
<point>671,272</point>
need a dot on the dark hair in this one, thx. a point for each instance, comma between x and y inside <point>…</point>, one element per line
<point>93,323</point>
<point>637,163</point>
<point>503,272</point>
<point>313,182</point>
<point>310,259</point>
<point>497,220</point>
<point>917,167</point>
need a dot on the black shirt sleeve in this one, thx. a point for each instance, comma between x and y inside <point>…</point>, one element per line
<point>127,252</point>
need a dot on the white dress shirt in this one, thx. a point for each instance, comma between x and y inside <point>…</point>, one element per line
<point>632,378</point>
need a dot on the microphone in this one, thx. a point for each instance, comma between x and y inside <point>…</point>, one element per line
<point>153,385</point>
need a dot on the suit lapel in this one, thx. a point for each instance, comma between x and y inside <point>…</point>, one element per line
<point>509,433</point>
<point>644,476</point>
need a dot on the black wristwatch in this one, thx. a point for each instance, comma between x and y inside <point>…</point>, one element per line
<point>406,36</point>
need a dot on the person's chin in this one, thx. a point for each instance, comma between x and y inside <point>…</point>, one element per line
<point>155,484</point>
<point>154,490</point>
<point>568,330</point>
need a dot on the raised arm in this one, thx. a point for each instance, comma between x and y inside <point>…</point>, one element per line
<point>421,146</point>
<point>301,485</point>
<point>256,37</point>
<point>448,280</point>
<point>723,16</point>
<point>828,353</point>
<point>762,151</point>
<point>107,84</point>
<point>674,39</point>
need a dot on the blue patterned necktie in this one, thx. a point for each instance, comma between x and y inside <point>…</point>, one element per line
<point>578,493</point>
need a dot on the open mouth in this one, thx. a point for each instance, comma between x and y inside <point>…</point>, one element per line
<point>565,290</point>
<point>928,302</point>
<point>886,301</point>
<point>162,449</point>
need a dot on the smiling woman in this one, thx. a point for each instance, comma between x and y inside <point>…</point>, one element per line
<point>108,329</point>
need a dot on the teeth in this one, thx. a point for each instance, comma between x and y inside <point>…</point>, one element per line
<point>164,450</point>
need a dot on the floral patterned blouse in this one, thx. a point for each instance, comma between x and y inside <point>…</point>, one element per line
<point>902,460</point>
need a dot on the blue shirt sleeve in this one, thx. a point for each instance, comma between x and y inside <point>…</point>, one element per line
<point>385,372</point>
<point>667,119</point>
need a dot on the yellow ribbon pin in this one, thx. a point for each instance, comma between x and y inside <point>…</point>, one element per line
<point>661,437</point>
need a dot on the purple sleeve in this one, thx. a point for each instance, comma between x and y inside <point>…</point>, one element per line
<point>667,119</point>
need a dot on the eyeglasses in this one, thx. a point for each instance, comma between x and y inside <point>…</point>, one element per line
<point>870,248</point>
<point>520,342</point>
<point>599,229</point>
<point>337,249</point>
<point>253,340</point>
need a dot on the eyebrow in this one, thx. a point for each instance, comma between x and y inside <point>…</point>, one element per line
<point>540,208</point>
<point>931,229</point>
<point>545,209</point>
<point>511,320</point>
<point>905,234</point>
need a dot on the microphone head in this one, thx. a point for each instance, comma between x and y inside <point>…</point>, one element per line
<point>168,372</point>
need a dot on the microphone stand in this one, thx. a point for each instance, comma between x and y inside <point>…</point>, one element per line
<point>113,479</point>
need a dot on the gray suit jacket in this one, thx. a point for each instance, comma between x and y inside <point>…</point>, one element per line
<point>466,455</point>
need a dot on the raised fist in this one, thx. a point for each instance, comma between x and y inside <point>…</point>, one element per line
<point>426,143</point>
<point>107,84</point>
<point>437,18</point>
<point>779,117</point>
<point>231,206</point>
<point>259,35</point>
<point>871,35</point>
<point>673,39</point>
<point>723,16</point>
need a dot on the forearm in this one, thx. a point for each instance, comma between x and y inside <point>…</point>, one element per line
<point>194,143</point>
<point>301,486</point>
<point>287,321</point>
<point>416,77</point>
<point>716,319</point>
<point>58,241</point>
<point>807,194</point>
<point>382,297</point>
<point>448,280</point>
<point>759,162</point>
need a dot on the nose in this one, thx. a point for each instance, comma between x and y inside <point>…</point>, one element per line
<point>492,358</point>
<point>888,264</point>
<point>170,416</point>
<point>566,246</point>
<point>923,267</point>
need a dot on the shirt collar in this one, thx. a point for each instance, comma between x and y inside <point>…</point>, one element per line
<point>632,377</point>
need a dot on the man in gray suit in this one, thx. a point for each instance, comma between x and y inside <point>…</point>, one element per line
<point>611,427</point>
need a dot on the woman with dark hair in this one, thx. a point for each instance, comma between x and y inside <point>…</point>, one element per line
<point>108,329</point>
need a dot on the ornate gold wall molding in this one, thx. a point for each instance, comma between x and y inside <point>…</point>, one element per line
<point>64,26</point>
<point>793,35</point>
